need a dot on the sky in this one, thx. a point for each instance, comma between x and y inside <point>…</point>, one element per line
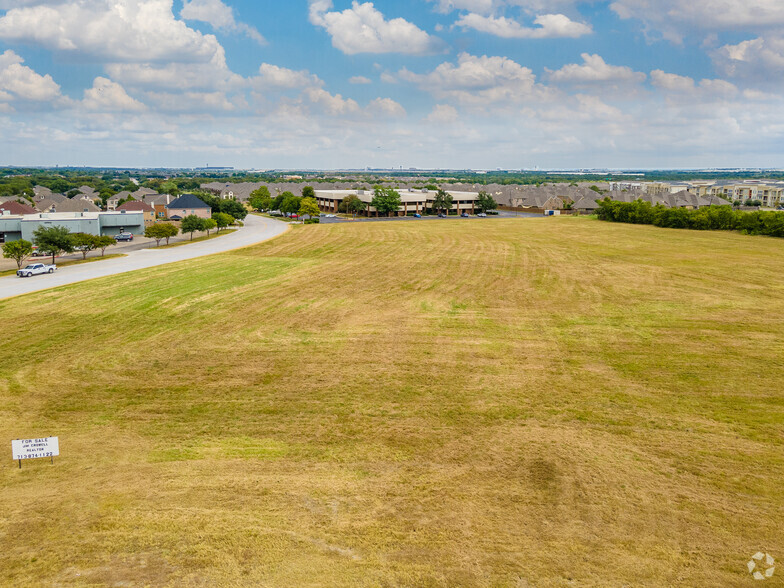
<point>331,84</point>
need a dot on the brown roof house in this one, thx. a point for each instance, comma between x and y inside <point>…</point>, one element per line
<point>138,206</point>
<point>12,207</point>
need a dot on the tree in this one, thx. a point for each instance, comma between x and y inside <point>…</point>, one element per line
<point>291,204</point>
<point>232,207</point>
<point>53,240</point>
<point>308,192</point>
<point>159,232</point>
<point>191,224</point>
<point>171,230</point>
<point>486,202</point>
<point>222,220</point>
<point>170,188</point>
<point>353,205</point>
<point>103,242</point>
<point>84,243</point>
<point>19,251</point>
<point>279,199</point>
<point>260,199</point>
<point>442,201</point>
<point>209,224</point>
<point>308,206</point>
<point>385,200</point>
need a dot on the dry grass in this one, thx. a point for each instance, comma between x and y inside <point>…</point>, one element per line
<point>502,403</point>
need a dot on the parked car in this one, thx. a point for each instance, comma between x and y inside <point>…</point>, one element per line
<point>332,216</point>
<point>417,215</point>
<point>465,215</point>
<point>441,215</point>
<point>482,214</point>
<point>34,269</point>
<point>124,237</point>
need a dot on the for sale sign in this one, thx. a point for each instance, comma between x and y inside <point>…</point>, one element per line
<point>35,448</point>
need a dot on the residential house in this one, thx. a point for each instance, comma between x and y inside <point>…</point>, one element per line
<point>13,207</point>
<point>139,206</point>
<point>158,203</point>
<point>186,205</point>
<point>114,201</point>
<point>41,192</point>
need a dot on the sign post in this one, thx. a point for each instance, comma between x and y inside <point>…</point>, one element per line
<point>35,448</point>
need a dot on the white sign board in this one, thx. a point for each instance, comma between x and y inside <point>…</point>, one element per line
<point>35,448</point>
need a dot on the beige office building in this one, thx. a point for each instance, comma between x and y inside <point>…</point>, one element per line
<point>412,200</point>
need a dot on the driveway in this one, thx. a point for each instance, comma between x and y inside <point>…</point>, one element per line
<point>256,230</point>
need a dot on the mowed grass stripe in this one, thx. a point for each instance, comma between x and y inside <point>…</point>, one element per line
<point>510,402</point>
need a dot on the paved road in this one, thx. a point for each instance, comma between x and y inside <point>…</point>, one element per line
<point>256,229</point>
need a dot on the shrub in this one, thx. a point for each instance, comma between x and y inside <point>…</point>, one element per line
<point>711,218</point>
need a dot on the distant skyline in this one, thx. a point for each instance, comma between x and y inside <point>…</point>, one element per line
<point>449,84</point>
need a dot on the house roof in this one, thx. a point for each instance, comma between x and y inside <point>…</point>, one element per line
<point>135,205</point>
<point>45,204</point>
<point>17,208</point>
<point>153,199</point>
<point>188,201</point>
<point>586,203</point>
<point>142,192</point>
<point>120,195</point>
<point>76,205</point>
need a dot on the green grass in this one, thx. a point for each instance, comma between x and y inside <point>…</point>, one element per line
<point>539,402</point>
<point>60,264</point>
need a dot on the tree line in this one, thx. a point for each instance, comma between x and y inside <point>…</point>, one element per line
<point>709,218</point>
<point>55,241</point>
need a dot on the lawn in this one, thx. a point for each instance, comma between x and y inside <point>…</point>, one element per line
<point>521,402</point>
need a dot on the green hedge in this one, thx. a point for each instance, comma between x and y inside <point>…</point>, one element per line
<point>710,218</point>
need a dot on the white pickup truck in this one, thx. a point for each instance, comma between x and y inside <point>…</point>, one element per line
<point>35,269</point>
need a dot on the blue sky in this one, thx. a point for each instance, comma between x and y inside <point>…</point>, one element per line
<point>413,83</point>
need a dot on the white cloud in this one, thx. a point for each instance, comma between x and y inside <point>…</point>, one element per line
<point>281,77</point>
<point>478,6</point>
<point>195,102</point>
<point>363,29</point>
<point>386,107</point>
<point>595,70</point>
<point>480,81</point>
<point>359,80</point>
<point>177,75</point>
<point>677,18</point>
<point>135,31</point>
<point>109,96</point>
<point>759,60</point>
<point>549,26</point>
<point>220,16</point>
<point>674,83</point>
<point>333,105</point>
<point>20,81</point>
<point>443,114</point>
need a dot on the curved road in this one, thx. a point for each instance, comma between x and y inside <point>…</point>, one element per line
<point>256,230</point>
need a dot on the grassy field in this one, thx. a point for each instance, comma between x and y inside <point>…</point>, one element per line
<point>529,402</point>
